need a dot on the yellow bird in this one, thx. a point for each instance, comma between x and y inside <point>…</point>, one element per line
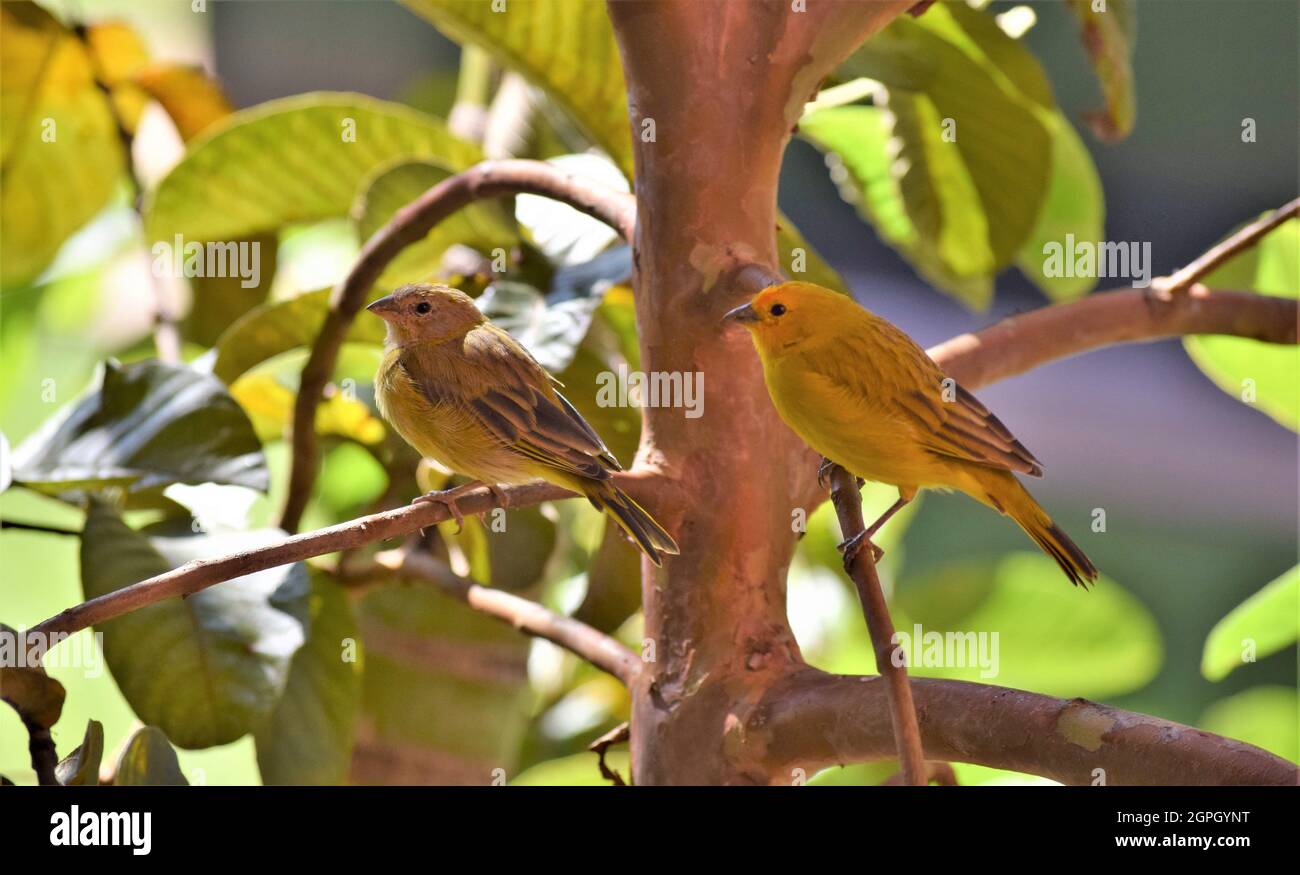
<point>867,397</point>
<point>465,393</point>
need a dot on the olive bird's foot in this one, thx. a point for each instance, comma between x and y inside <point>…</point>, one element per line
<point>447,498</point>
<point>854,545</point>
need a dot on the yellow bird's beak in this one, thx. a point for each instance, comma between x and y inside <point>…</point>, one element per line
<point>742,314</point>
<point>383,306</point>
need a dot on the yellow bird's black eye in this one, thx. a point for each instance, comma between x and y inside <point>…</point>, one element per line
<point>777,310</point>
<point>423,307</point>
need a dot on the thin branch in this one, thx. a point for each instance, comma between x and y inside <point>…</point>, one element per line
<point>620,734</point>
<point>527,616</point>
<point>37,527</point>
<point>200,574</point>
<point>1217,255</point>
<point>1024,342</point>
<point>812,720</point>
<point>862,568</point>
<point>40,746</point>
<point>411,223</point>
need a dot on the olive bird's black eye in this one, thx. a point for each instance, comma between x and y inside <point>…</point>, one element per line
<point>423,307</point>
<point>777,310</point>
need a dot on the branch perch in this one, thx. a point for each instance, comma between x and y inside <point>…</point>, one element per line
<point>862,569</point>
<point>812,720</point>
<point>411,223</point>
<point>203,573</point>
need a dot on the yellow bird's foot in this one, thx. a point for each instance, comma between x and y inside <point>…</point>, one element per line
<point>824,474</point>
<point>854,545</point>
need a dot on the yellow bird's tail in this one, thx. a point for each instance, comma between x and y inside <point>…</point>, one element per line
<point>631,518</point>
<point>1003,492</point>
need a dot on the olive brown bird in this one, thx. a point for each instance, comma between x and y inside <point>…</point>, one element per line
<point>465,393</point>
<point>862,393</point>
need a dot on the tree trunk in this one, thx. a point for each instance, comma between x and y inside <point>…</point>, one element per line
<point>715,90</point>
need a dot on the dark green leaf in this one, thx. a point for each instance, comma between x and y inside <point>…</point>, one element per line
<point>149,424</point>
<point>208,668</point>
<point>308,739</point>
<point>149,761</point>
<point>81,767</point>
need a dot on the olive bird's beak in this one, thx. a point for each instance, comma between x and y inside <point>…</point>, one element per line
<point>743,313</point>
<point>383,306</point>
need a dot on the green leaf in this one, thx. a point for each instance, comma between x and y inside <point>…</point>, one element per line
<point>1267,717</point>
<point>81,767</point>
<point>298,159</point>
<point>801,261</point>
<point>1109,37</point>
<point>220,300</point>
<point>308,739</point>
<point>149,761</point>
<point>1267,621</point>
<point>550,331</point>
<point>60,154</point>
<point>28,689</point>
<point>208,668</point>
<point>1049,637</point>
<point>564,46</point>
<point>1242,367</point>
<point>484,225</point>
<point>148,425</point>
<point>278,327</point>
<point>1074,206</point>
<point>6,463</point>
<point>952,165</point>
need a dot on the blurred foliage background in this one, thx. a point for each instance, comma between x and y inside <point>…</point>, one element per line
<point>238,120</point>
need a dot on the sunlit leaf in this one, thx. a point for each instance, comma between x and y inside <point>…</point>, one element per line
<point>209,668</point>
<point>308,739</point>
<point>1030,630</point>
<point>60,152</point>
<point>1109,35</point>
<point>293,160</point>
<point>565,46</point>
<point>1261,374</point>
<point>279,326</point>
<point>149,761</point>
<point>81,767</point>
<point>1267,717</point>
<point>1266,622</point>
<point>149,424</point>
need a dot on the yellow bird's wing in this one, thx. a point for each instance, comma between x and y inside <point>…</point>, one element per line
<point>513,398</point>
<point>888,366</point>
